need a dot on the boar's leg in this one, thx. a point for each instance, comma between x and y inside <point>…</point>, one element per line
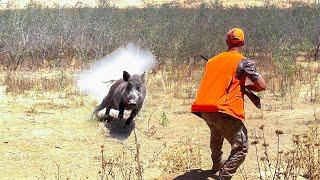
<point>121,110</point>
<point>101,106</point>
<point>104,104</point>
<point>133,115</point>
<point>107,117</point>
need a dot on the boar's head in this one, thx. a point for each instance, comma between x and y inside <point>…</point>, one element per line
<point>134,92</point>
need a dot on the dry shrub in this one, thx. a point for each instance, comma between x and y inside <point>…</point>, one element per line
<point>181,81</point>
<point>304,159</point>
<point>19,82</point>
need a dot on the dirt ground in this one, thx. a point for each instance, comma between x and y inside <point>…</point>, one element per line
<point>52,136</point>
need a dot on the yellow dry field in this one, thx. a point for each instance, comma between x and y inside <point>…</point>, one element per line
<point>50,135</point>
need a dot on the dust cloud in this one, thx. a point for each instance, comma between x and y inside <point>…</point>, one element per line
<point>97,80</point>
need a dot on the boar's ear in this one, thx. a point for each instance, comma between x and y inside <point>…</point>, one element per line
<point>126,76</point>
<point>143,77</point>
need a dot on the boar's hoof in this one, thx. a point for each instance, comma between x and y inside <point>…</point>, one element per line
<point>93,116</point>
<point>109,120</point>
<point>127,123</point>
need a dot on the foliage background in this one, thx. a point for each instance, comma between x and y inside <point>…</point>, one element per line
<point>36,35</point>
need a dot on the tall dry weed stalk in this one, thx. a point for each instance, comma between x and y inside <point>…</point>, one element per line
<point>137,157</point>
<point>257,157</point>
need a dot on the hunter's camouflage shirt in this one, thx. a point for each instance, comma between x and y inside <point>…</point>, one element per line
<point>247,68</point>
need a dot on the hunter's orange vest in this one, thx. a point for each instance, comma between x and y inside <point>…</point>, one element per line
<point>220,90</point>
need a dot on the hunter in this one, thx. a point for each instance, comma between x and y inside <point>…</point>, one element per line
<point>220,102</point>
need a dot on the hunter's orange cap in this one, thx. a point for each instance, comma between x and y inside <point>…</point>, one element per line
<point>235,34</point>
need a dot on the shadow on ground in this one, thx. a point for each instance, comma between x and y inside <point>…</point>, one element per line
<point>198,174</point>
<point>117,130</point>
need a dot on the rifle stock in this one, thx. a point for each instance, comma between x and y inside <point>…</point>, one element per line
<point>253,98</point>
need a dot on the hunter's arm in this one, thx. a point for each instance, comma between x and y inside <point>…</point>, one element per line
<point>258,85</point>
<point>247,69</point>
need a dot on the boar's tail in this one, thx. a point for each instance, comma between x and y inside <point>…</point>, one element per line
<point>111,81</point>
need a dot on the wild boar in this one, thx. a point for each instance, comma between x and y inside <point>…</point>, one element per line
<point>127,93</point>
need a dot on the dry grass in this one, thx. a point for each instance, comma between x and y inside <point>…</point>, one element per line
<point>19,82</point>
<point>49,134</point>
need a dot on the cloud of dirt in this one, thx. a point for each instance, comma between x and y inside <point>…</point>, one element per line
<point>130,58</point>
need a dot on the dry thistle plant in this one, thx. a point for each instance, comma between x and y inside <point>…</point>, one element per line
<point>303,160</point>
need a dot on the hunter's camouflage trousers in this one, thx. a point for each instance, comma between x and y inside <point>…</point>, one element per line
<point>225,126</point>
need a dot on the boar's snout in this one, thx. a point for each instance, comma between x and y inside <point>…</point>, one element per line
<point>132,102</point>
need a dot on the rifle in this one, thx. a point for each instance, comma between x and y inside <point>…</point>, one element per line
<point>253,98</point>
